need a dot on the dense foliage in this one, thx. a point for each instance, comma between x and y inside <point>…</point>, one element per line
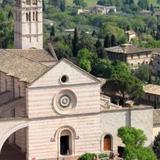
<point>134,140</point>
<point>88,156</point>
<point>156,146</point>
<point>123,82</point>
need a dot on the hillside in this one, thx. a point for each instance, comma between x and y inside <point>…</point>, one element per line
<point>89,2</point>
<point>93,2</point>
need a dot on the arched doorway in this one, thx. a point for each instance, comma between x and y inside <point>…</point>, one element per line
<point>14,148</point>
<point>66,142</point>
<point>107,142</point>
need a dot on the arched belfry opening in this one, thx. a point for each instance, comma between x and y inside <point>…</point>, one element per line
<point>14,148</point>
<point>66,139</point>
<point>107,142</point>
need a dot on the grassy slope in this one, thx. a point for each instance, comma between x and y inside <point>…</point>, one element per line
<point>93,2</point>
<point>89,2</point>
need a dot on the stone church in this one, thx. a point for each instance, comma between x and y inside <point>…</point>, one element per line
<point>51,109</point>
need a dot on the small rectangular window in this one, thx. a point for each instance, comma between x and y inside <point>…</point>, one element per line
<point>34,2</point>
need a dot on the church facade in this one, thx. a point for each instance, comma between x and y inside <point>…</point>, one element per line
<point>51,109</point>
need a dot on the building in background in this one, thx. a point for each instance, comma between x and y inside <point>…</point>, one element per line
<point>52,109</point>
<point>130,54</point>
<point>104,10</point>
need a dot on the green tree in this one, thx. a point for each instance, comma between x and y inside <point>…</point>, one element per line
<point>123,82</point>
<point>102,68</point>
<point>143,73</point>
<point>63,50</point>
<point>88,156</point>
<point>75,42</point>
<point>113,40</point>
<point>156,146</point>
<point>63,5</point>
<point>131,136</point>
<point>79,3</point>
<point>139,153</point>
<point>143,4</point>
<point>107,41</point>
<point>84,61</point>
<point>52,33</point>
<point>134,140</point>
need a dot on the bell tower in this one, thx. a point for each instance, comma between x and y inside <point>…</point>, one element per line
<point>28,28</point>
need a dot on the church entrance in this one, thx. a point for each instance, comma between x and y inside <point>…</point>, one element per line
<point>107,143</point>
<point>66,143</point>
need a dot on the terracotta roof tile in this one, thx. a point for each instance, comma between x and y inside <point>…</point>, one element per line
<point>25,67</point>
<point>152,89</point>
<point>126,49</point>
<point>38,55</point>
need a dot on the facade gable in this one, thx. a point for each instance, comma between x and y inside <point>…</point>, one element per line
<point>67,70</point>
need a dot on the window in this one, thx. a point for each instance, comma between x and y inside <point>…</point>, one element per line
<point>36,16</point>
<point>28,2</point>
<point>64,79</point>
<point>33,16</point>
<point>27,17</point>
<point>66,143</point>
<point>34,2</point>
<point>107,143</point>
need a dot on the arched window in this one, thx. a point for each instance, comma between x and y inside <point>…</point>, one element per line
<point>34,2</point>
<point>66,142</point>
<point>33,16</point>
<point>27,17</point>
<point>107,143</point>
<point>28,2</point>
<point>36,16</point>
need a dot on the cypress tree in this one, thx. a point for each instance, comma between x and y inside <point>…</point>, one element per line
<point>107,41</point>
<point>98,44</point>
<point>62,5</point>
<point>52,34</point>
<point>113,40</point>
<point>75,42</point>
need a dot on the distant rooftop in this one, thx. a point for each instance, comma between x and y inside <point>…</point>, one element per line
<point>126,49</point>
<point>152,89</point>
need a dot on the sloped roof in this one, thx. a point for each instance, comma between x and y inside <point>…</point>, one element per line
<point>38,55</point>
<point>126,49</point>
<point>18,66</point>
<point>152,89</point>
<point>26,64</point>
<point>74,66</point>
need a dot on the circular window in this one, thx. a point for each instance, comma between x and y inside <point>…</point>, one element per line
<point>64,101</point>
<point>64,79</point>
